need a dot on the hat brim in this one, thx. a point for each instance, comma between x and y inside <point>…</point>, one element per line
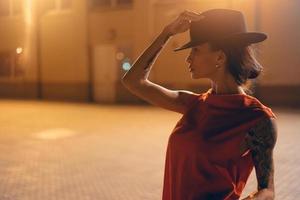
<point>243,39</point>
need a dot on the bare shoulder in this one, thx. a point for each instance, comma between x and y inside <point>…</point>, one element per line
<point>182,101</point>
<point>187,96</point>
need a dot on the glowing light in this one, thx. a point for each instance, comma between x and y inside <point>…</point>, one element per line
<point>28,4</point>
<point>120,55</point>
<point>29,37</point>
<point>19,50</point>
<point>126,65</point>
<point>53,134</point>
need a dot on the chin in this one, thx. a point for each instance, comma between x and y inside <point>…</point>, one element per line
<point>197,76</point>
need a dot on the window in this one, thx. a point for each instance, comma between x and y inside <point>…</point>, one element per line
<point>11,64</point>
<point>101,3</point>
<point>17,7</point>
<point>18,65</point>
<point>124,2</point>
<point>55,5</point>
<point>4,7</point>
<point>45,6</point>
<point>109,3</point>
<point>66,4</point>
<point>5,64</point>
<point>11,7</point>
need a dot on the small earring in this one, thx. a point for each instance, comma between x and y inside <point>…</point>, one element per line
<point>217,66</point>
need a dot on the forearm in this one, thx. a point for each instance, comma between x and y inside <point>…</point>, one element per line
<point>265,177</point>
<point>142,66</point>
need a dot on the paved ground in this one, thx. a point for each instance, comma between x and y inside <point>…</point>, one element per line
<point>60,151</point>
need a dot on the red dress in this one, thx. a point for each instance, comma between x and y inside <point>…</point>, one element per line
<point>203,158</point>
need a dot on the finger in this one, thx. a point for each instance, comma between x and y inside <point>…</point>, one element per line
<point>192,16</point>
<point>185,18</point>
<point>192,13</point>
<point>184,22</point>
<point>195,16</point>
<point>189,11</point>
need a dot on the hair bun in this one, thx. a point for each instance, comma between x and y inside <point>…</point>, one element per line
<point>254,72</point>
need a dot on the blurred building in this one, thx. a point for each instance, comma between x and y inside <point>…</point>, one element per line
<point>78,50</point>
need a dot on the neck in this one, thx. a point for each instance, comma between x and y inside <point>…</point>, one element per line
<point>226,86</point>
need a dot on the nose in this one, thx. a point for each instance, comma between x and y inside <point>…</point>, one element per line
<point>189,58</point>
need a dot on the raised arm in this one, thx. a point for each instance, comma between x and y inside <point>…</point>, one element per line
<point>136,79</point>
<point>141,68</point>
<point>261,140</point>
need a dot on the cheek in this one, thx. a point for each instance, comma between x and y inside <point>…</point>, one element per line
<point>205,62</point>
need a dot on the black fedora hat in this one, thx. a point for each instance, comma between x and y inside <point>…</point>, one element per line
<point>221,25</point>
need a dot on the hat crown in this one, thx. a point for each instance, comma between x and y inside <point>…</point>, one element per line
<point>221,25</point>
<point>217,23</point>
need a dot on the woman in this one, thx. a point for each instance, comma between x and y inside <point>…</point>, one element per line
<point>224,132</point>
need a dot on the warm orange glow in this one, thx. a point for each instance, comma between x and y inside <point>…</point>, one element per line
<point>28,12</point>
<point>53,134</point>
<point>19,50</point>
<point>28,36</point>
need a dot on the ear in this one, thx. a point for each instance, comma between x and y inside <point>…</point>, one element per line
<point>221,57</point>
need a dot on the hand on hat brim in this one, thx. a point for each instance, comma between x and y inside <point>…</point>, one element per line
<point>193,16</point>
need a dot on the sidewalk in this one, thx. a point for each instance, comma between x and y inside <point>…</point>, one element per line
<point>77,151</point>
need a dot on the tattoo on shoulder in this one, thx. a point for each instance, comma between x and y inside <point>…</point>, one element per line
<point>261,140</point>
<point>263,134</point>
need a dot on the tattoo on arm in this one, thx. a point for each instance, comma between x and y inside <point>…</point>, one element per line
<point>152,58</point>
<point>261,140</point>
